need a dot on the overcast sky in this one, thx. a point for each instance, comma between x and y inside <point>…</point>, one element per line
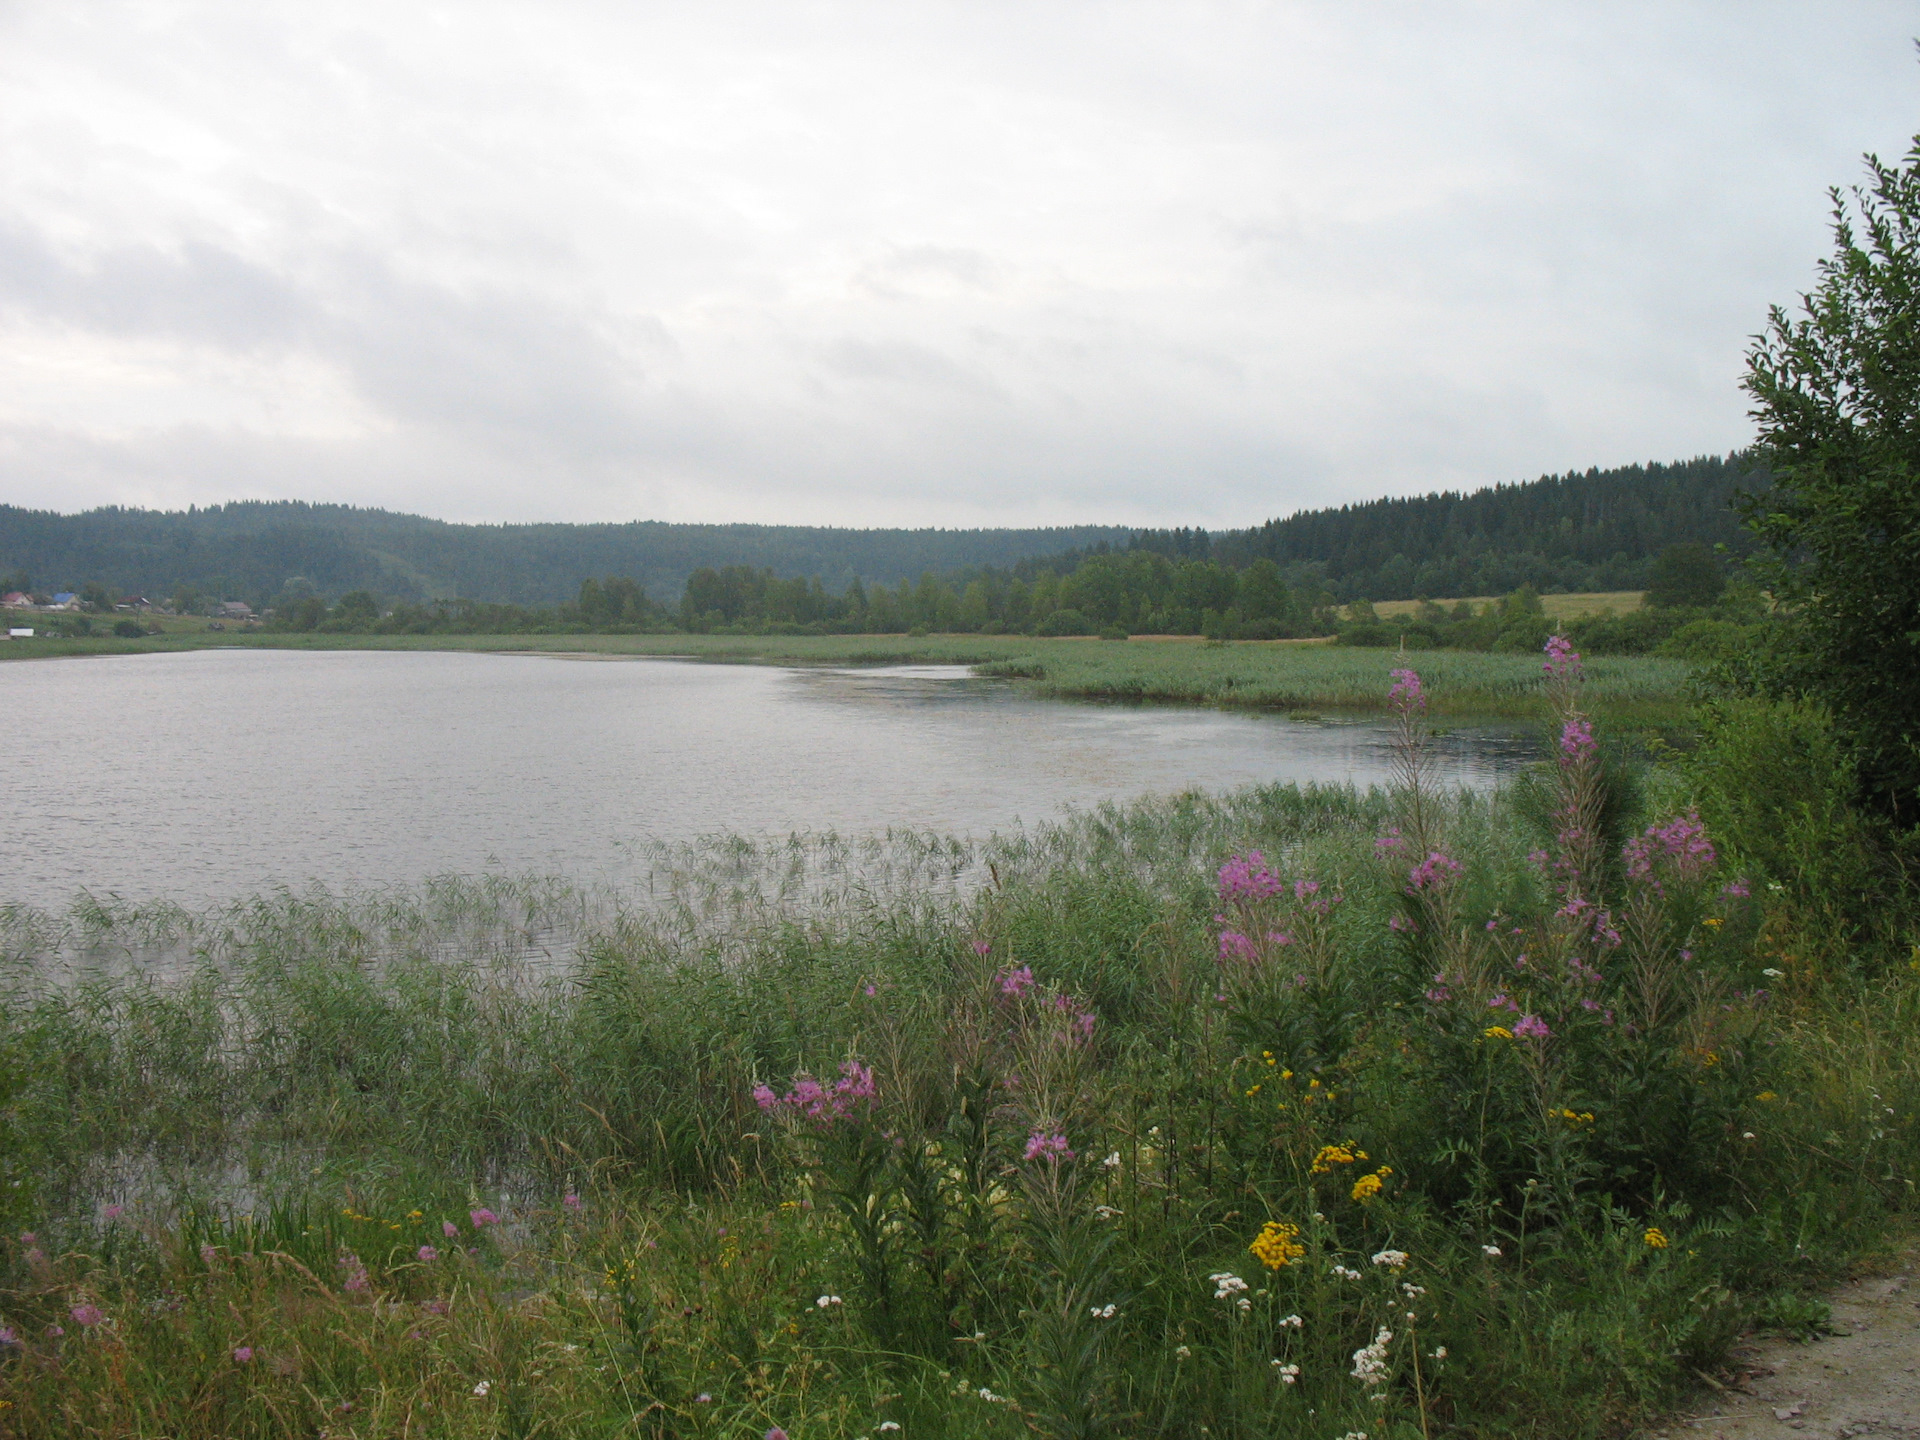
<point>901,263</point>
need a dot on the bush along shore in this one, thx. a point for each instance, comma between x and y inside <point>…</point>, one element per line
<point>1291,1112</point>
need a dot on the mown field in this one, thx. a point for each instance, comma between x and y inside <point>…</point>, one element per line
<point>1284,1112</point>
<point>1277,675</point>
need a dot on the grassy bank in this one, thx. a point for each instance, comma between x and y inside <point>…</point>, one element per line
<point>1392,1127</point>
<point>1273,675</point>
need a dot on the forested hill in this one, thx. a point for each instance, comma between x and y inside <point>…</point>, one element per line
<point>1594,531</point>
<point>250,550</point>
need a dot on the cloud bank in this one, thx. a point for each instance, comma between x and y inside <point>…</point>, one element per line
<point>876,264</point>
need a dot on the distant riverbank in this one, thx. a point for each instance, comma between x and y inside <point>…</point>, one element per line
<point>1257,675</point>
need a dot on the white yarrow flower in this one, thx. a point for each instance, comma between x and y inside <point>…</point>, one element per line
<point>1395,1259</point>
<point>1493,1250</point>
<point>483,1387</point>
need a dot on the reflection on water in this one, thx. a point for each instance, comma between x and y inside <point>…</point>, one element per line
<point>206,775</point>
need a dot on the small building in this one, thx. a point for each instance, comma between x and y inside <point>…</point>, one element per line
<point>15,600</point>
<point>236,610</point>
<point>19,632</point>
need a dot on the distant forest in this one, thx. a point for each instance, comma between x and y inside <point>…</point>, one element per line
<point>1601,530</point>
<point>250,550</point>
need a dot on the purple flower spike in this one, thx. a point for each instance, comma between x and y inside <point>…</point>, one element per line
<point>1049,1147</point>
<point>1406,694</point>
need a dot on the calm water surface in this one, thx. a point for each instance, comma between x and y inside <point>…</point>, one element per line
<point>212,774</point>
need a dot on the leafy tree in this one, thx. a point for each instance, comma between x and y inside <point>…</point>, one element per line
<point>1687,574</point>
<point>1836,396</point>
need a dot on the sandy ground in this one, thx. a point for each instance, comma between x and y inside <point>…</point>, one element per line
<point>1863,1381</point>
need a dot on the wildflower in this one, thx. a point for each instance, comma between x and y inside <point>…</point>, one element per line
<point>1772,974</point>
<point>573,1201</point>
<point>1106,1212</point>
<point>1399,924</point>
<point>56,1331</point>
<point>1367,1188</point>
<point>1288,1374</point>
<point>450,1230</point>
<point>703,1398</point>
<point>427,1254</point>
<point>1736,891</point>
<point>1432,873</point>
<point>872,990</point>
<point>85,1315</point>
<point>888,1425</point>
<point>356,1280</point>
<point>1392,1259</point>
<point>1332,1155</point>
<point>1235,946</point>
<point>1226,1284</point>
<point>1766,1097</point>
<point>1439,1352</point>
<point>1016,982</point>
<point>827,1301</point>
<point>1405,694</point>
<point>8,1335</point>
<point>981,947</point>
<point>1531,1027</point>
<point>482,1218</point>
<point>1655,1238</point>
<point>1391,843</point>
<point>1103,1312</point>
<point>776,1433</point>
<point>1679,846</point>
<point>1182,1352</point>
<point>1563,661</point>
<point>208,1254</point>
<point>1344,1273</point>
<point>1275,1245</point>
<point>1050,1147</point>
<point>1497,1032</point>
<point>114,1212</point>
<point>1370,1361</point>
<point>1291,1322</point>
<point>1412,1291</point>
<point>242,1354</point>
<point>1248,878</point>
<point>1576,739</point>
<point>1112,1162</point>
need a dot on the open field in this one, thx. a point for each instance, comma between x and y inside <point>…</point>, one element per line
<point>1092,1151</point>
<point>1557,607</point>
<point>1274,675</point>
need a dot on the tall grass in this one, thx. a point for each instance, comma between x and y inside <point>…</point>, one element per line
<point>516,1158</point>
<point>1281,675</point>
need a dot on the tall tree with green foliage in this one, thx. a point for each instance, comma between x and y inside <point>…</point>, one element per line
<point>1836,394</point>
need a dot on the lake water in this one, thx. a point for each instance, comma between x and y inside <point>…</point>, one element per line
<point>206,775</point>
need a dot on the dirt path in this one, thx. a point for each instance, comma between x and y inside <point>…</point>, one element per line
<point>1863,1381</point>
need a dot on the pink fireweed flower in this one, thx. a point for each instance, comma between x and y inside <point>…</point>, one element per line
<point>572,1201</point>
<point>1530,1027</point>
<point>85,1315</point>
<point>242,1354</point>
<point>1016,982</point>
<point>1391,843</point>
<point>356,1273</point>
<point>1737,890</point>
<point>1441,991</point>
<point>428,1254</point>
<point>1049,1147</point>
<point>1235,946</point>
<point>1246,877</point>
<point>776,1433</point>
<point>8,1335</point>
<point>114,1212</point>
<point>981,947</point>
<point>1084,1023</point>
<point>825,1104</point>
<point>449,1229</point>
<point>873,990</point>
<point>1399,924</point>
<point>1678,849</point>
<point>1276,937</point>
<point>1576,739</point>
<point>482,1218</point>
<point>764,1097</point>
<point>1562,659</point>
<point>1432,873</point>
<point>1405,694</point>
<point>1303,888</point>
